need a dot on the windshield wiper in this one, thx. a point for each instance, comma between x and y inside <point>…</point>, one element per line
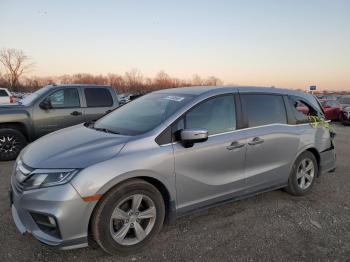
<point>105,130</point>
<point>91,124</point>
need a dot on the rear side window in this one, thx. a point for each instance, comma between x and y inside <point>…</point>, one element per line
<point>264,109</point>
<point>302,110</point>
<point>3,93</point>
<point>98,97</point>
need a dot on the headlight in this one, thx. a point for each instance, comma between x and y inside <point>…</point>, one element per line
<point>48,177</point>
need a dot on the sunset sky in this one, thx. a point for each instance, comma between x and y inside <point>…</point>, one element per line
<point>284,43</point>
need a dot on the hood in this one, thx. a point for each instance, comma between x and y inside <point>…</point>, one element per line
<point>72,147</point>
<point>346,108</point>
<point>11,106</point>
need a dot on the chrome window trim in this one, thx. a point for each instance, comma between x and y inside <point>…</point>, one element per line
<point>243,129</point>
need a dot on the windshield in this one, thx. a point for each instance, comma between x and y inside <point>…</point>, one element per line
<point>344,100</point>
<point>29,99</point>
<point>142,114</point>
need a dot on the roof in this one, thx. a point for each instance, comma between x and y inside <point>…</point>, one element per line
<point>199,90</point>
<point>76,85</point>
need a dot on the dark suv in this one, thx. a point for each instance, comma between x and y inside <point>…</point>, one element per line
<point>51,108</point>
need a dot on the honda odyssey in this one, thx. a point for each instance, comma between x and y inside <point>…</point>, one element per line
<point>115,181</point>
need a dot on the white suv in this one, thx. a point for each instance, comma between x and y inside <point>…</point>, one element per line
<point>6,97</point>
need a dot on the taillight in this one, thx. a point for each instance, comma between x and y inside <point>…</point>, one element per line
<point>12,100</point>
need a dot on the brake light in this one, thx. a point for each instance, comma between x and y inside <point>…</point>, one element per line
<point>12,100</point>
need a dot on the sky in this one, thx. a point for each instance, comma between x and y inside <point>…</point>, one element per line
<point>282,43</point>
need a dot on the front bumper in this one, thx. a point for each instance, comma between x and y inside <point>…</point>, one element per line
<point>63,203</point>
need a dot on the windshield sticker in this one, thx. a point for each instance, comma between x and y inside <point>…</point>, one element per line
<point>174,98</point>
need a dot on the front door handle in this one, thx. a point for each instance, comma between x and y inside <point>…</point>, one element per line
<point>108,111</point>
<point>76,113</point>
<point>256,141</point>
<point>234,145</point>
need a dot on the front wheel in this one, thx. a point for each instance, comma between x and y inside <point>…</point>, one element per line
<point>128,217</point>
<point>12,142</point>
<point>303,174</point>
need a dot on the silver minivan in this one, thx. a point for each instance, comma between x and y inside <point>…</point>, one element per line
<point>115,181</point>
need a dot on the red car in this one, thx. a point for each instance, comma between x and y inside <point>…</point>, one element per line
<point>331,109</point>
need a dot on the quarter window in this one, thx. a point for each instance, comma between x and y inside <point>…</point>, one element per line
<point>217,115</point>
<point>264,109</point>
<point>65,98</point>
<point>301,110</point>
<point>98,97</point>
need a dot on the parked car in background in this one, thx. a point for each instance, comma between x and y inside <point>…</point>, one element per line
<point>344,101</point>
<point>164,155</point>
<point>345,118</point>
<point>6,97</point>
<point>126,98</point>
<point>20,95</point>
<point>51,108</point>
<point>332,109</point>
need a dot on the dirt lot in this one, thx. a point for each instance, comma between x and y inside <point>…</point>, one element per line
<point>269,227</point>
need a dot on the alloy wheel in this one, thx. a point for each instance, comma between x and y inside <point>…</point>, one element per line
<point>305,173</point>
<point>8,145</point>
<point>133,219</point>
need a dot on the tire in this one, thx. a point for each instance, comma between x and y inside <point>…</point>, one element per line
<point>340,117</point>
<point>12,142</point>
<point>296,177</point>
<point>103,226</point>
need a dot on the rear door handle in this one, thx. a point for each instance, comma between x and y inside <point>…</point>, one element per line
<point>234,145</point>
<point>76,113</point>
<point>256,141</point>
<point>108,111</point>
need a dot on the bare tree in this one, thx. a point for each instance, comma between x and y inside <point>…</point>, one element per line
<point>16,63</point>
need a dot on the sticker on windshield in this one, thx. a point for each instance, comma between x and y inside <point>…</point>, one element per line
<point>174,98</point>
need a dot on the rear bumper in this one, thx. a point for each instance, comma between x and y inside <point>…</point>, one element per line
<point>328,160</point>
<point>63,204</point>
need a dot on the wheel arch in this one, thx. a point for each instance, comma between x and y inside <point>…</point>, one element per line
<point>169,204</point>
<point>315,152</point>
<point>21,127</point>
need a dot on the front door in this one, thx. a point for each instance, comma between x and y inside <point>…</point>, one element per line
<point>210,171</point>
<point>66,111</point>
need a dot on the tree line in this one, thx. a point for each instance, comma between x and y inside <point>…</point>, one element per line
<point>16,64</point>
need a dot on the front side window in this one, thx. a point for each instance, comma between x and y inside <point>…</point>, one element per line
<point>264,109</point>
<point>98,97</point>
<point>143,114</point>
<point>217,115</point>
<point>65,98</point>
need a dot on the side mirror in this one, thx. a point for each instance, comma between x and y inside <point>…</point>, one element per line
<point>45,104</point>
<point>191,136</point>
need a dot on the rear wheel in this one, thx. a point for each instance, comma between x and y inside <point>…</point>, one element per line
<point>12,142</point>
<point>303,175</point>
<point>128,217</point>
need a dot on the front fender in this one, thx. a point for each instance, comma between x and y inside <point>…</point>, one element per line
<point>155,162</point>
<point>15,115</point>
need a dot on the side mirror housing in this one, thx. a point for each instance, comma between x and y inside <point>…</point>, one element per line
<point>191,136</point>
<point>45,104</point>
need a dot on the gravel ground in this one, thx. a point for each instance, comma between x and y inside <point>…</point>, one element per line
<point>273,226</point>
